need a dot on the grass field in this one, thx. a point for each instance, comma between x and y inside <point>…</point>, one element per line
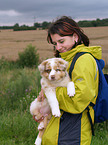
<point>18,87</point>
<point>12,42</point>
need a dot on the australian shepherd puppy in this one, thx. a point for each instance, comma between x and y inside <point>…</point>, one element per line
<point>54,74</point>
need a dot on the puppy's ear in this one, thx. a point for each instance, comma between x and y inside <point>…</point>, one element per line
<point>63,63</point>
<point>41,67</point>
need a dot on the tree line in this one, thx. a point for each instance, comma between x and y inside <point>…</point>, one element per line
<point>93,23</point>
<point>17,27</point>
<point>45,25</point>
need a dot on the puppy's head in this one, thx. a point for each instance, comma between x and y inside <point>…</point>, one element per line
<point>53,69</point>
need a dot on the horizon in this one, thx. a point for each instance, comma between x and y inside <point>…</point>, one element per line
<point>32,24</point>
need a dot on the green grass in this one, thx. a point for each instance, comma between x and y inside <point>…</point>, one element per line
<point>18,88</point>
<point>17,128</point>
<point>101,134</point>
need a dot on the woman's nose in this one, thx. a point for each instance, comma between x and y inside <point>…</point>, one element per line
<point>58,46</point>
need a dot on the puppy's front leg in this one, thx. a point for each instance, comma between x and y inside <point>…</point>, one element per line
<point>39,137</point>
<point>38,140</point>
<point>52,100</point>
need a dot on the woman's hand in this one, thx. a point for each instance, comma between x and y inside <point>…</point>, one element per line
<point>41,96</point>
<point>39,120</point>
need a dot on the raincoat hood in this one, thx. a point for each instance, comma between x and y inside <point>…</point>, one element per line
<point>96,51</point>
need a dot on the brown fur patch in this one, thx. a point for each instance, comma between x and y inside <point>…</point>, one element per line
<point>60,65</point>
<point>47,67</point>
<point>62,74</point>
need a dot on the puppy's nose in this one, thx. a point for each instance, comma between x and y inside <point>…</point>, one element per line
<point>52,77</point>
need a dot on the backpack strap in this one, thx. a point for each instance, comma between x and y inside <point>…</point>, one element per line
<point>73,62</point>
<point>70,74</point>
<point>106,77</point>
<point>90,119</point>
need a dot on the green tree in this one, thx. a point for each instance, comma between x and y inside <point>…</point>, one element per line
<point>45,25</point>
<point>37,25</point>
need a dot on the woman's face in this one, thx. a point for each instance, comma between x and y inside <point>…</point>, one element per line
<point>65,43</point>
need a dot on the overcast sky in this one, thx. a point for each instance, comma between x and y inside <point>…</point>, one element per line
<point>30,11</point>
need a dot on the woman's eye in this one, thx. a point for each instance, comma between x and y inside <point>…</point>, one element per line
<point>61,41</point>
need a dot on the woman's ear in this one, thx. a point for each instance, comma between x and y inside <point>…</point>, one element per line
<point>75,36</point>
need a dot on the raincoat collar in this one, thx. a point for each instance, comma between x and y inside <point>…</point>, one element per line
<point>96,51</point>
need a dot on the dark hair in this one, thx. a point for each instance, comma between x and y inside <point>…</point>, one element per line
<point>66,26</point>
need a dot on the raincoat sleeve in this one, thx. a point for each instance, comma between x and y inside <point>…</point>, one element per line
<point>85,78</point>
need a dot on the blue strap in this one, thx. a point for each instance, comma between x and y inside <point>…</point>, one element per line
<point>73,62</point>
<point>70,74</point>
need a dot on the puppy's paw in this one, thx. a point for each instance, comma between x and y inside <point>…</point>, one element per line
<point>41,126</point>
<point>71,89</point>
<point>38,141</point>
<point>56,112</point>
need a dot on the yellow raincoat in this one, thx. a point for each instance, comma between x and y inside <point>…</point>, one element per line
<point>85,78</point>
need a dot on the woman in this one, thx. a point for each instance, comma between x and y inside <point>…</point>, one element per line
<point>73,127</point>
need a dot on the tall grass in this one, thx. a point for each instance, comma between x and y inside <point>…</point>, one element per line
<point>17,128</point>
<point>18,85</point>
<point>101,134</point>
<point>18,88</point>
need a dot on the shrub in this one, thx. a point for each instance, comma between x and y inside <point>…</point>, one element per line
<point>29,57</point>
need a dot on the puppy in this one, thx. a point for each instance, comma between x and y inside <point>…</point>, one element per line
<point>54,74</point>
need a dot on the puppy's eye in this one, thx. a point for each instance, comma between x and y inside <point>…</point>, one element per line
<point>58,70</point>
<point>48,70</point>
<point>64,69</point>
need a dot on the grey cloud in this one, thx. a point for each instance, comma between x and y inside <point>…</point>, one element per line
<point>47,10</point>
